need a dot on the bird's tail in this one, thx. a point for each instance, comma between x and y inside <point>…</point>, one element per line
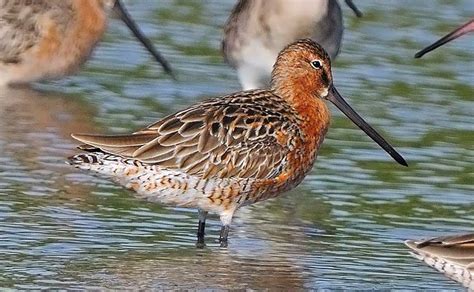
<point>106,164</point>
<point>151,182</point>
<point>80,160</point>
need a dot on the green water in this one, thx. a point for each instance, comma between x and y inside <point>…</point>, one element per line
<point>343,227</point>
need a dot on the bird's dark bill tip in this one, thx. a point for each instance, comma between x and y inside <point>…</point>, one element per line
<point>401,160</point>
<point>398,157</point>
<point>419,54</point>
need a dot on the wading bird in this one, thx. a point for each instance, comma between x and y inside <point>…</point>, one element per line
<point>47,39</point>
<point>451,255</point>
<point>257,30</point>
<point>234,150</point>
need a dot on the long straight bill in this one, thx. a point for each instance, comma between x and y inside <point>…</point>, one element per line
<point>337,100</point>
<point>125,16</point>
<point>467,27</point>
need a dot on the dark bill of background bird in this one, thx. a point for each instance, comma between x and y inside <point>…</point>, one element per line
<point>465,28</point>
<point>120,10</point>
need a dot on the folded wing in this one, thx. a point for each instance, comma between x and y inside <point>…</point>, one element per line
<point>235,136</point>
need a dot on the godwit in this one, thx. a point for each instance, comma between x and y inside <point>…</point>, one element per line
<point>451,255</point>
<point>234,150</point>
<point>258,30</point>
<point>465,28</point>
<point>45,39</point>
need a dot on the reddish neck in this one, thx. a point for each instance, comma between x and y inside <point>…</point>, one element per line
<point>312,110</point>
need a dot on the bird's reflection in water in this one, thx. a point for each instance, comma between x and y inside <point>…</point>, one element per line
<point>192,268</point>
<point>154,254</point>
<point>35,129</point>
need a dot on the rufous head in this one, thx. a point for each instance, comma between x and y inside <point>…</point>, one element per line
<point>303,71</point>
<point>303,64</point>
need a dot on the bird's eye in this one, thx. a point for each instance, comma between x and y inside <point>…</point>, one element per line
<point>316,64</point>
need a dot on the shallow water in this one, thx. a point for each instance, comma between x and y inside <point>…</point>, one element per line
<point>343,227</point>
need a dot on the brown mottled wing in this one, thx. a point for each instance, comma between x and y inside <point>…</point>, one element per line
<point>244,135</point>
<point>20,24</point>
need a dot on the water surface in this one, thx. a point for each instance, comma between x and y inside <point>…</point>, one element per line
<point>343,227</point>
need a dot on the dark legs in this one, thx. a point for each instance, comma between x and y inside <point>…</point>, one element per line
<point>224,233</point>
<point>226,218</point>
<point>201,227</point>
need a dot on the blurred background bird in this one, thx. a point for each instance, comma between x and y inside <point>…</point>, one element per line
<point>451,255</point>
<point>48,39</point>
<point>257,30</point>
